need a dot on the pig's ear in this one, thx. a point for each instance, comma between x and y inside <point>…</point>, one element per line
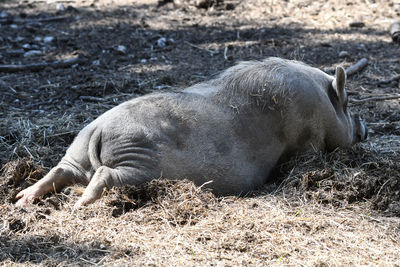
<point>339,83</point>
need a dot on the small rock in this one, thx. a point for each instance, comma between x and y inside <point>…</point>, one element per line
<point>32,53</point>
<point>3,14</point>
<point>48,39</point>
<point>395,31</point>
<point>230,6</point>
<point>3,84</point>
<point>143,60</point>
<point>357,24</point>
<point>162,42</point>
<point>14,26</point>
<point>121,49</point>
<point>60,7</point>
<point>26,46</point>
<point>363,47</point>
<point>326,44</point>
<point>19,39</point>
<point>203,3</point>
<point>38,39</point>
<point>96,62</point>
<point>343,54</point>
<point>72,9</point>
<point>163,2</point>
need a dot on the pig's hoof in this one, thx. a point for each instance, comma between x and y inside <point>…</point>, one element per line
<point>79,204</point>
<point>26,196</point>
<point>82,202</point>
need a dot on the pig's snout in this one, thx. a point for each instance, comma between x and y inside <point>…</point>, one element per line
<point>361,130</point>
<point>365,129</point>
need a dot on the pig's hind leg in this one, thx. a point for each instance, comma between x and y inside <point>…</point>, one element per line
<point>106,177</point>
<point>58,178</point>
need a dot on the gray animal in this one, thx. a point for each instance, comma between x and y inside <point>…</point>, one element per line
<point>232,130</point>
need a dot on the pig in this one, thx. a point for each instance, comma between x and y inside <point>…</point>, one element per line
<point>228,132</point>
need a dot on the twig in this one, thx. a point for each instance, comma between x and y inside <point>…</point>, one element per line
<point>91,98</point>
<point>39,66</point>
<point>394,78</point>
<point>362,63</point>
<point>28,21</point>
<point>382,187</point>
<point>225,53</point>
<point>374,98</point>
<point>201,48</point>
<point>204,184</point>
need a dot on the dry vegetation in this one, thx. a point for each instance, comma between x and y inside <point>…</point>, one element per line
<point>337,209</point>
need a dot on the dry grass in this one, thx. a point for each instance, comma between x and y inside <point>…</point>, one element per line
<point>47,137</point>
<point>324,214</point>
<point>260,231</point>
<point>324,15</point>
<point>343,177</point>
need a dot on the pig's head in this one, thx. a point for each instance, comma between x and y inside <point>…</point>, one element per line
<point>354,126</point>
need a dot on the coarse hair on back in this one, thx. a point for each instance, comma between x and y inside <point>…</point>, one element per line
<point>255,85</point>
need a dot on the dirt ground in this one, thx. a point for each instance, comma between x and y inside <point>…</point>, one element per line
<point>336,209</point>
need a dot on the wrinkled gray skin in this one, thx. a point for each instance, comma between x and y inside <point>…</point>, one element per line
<point>232,130</point>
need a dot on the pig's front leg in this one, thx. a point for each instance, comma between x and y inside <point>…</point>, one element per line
<point>56,179</point>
